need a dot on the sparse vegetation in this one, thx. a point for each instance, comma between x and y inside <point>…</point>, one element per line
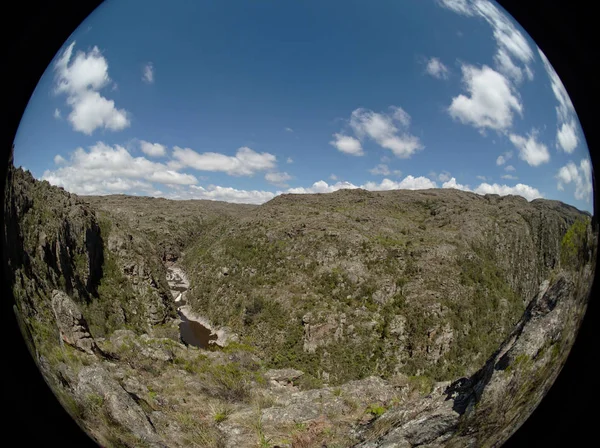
<point>343,287</point>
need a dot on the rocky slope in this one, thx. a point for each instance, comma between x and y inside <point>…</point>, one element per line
<point>356,313</point>
<point>357,283</point>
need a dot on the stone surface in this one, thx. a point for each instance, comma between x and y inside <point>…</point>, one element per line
<point>118,404</point>
<point>71,323</point>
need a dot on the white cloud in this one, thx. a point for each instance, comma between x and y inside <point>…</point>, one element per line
<point>347,144</point>
<point>321,187</point>
<point>333,177</point>
<point>507,67</point>
<point>408,183</point>
<point>246,161</point>
<point>57,114</point>
<point>91,111</point>
<point>565,107</point>
<point>509,168</point>
<point>106,169</point>
<point>278,178</point>
<point>526,191</point>
<point>81,79</point>
<point>512,44</point>
<point>148,73</point>
<point>381,169</point>
<point>289,160</point>
<point>492,101</point>
<point>228,194</point>
<point>383,130</point>
<point>580,176</point>
<point>444,176</point>
<point>483,178</point>
<point>460,6</point>
<point>567,137</point>
<point>507,36</point>
<point>509,177</point>
<point>153,149</point>
<point>453,184</point>
<point>530,150</point>
<point>437,69</point>
<point>384,170</point>
<point>289,130</point>
<point>529,73</point>
<point>501,160</point>
<point>59,160</point>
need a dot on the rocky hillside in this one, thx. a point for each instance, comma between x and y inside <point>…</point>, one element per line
<point>394,318</point>
<point>169,225</point>
<point>357,283</point>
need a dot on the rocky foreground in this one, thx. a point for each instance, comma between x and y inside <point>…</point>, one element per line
<point>346,281</point>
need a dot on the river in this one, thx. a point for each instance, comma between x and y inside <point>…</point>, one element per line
<point>191,331</point>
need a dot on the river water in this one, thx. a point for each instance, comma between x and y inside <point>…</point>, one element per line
<point>190,331</point>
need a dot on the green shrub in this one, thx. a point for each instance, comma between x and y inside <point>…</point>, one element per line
<point>376,410</point>
<point>574,245</point>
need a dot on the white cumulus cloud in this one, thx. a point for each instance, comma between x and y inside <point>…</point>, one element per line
<point>153,149</point>
<point>80,79</point>
<point>59,160</point>
<point>567,137</point>
<point>110,169</point>
<point>453,184</point>
<point>580,176</point>
<point>227,194</point>
<point>347,144</point>
<point>530,150</point>
<point>388,130</point>
<point>246,161</point>
<point>526,191</point>
<point>408,183</point>
<point>491,102</point>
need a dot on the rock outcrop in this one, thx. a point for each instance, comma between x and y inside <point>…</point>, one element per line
<point>486,408</point>
<point>119,405</point>
<point>344,319</point>
<point>71,324</point>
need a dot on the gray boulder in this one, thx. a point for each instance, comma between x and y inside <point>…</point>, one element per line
<point>118,404</point>
<point>73,328</point>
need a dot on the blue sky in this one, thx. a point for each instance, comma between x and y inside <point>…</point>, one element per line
<point>240,101</point>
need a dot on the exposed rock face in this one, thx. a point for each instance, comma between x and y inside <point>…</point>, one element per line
<point>416,282</point>
<point>486,408</point>
<point>71,323</point>
<point>55,241</point>
<point>283,376</point>
<point>348,310</point>
<point>320,329</point>
<point>50,237</point>
<point>119,405</point>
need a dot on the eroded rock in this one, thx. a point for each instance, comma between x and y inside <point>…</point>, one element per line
<point>71,323</point>
<point>118,404</point>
